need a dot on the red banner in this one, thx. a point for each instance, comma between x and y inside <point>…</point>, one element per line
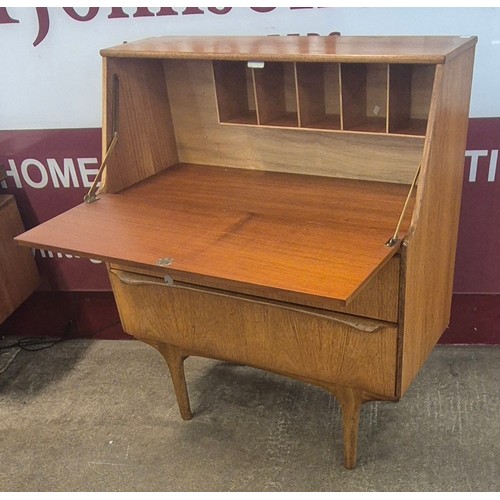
<point>478,263</point>
<point>49,171</point>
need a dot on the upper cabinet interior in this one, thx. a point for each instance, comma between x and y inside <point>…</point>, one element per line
<point>348,107</point>
<point>351,97</point>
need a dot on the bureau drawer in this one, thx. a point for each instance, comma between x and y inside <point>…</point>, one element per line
<point>378,299</point>
<point>286,338</point>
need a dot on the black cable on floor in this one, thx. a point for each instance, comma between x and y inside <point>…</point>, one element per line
<point>38,343</point>
<point>33,344</point>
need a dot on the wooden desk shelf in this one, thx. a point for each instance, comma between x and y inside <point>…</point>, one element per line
<point>235,92</point>
<point>252,188</point>
<point>318,95</point>
<point>369,98</point>
<point>410,92</point>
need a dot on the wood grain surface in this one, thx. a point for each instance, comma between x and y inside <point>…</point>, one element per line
<point>311,93</point>
<point>259,334</point>
<point>146,139</point>
<point>306,235</point>
<point>233,92</point>
<point>355,155</point>
<point>377,300</point>
<point>400,76</point>
<point>429,252</point>
<point>270,92</point>
<point>400,49</point>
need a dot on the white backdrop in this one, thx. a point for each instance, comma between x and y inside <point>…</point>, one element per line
<point>57,84</point>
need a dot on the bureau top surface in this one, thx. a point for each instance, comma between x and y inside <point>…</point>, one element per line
<point>300,234</point>
<point>398,49</point>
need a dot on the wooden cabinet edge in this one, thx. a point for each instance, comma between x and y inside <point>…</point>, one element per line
<point>377,300</point>
<point>356,322</point>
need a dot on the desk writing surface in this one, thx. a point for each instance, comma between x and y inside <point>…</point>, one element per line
<point>305,234</point>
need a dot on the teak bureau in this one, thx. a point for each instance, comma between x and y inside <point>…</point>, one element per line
<point>289,203</point>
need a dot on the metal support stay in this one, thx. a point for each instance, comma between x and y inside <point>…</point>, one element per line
<point>91,196</point>
<point>392,241</point>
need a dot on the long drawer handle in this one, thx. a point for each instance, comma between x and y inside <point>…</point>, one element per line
<point>362,324</point>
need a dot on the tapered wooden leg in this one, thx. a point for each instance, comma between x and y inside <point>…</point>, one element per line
<point>175,362</point>
<point>350,402</point>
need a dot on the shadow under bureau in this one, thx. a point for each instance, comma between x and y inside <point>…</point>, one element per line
<point>288,203</point>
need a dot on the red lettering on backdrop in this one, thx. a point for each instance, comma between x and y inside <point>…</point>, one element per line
<point>263,9</point>
<point>219,10</point>
<point>117,13</point>
<point>167,11</point>
<point>5,18</point>
<point>43,24</point>
<point>143,12</point>
<point>192,10</point>
<point>93,11</point>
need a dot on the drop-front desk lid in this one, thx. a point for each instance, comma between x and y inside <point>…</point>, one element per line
<point>236,229</point>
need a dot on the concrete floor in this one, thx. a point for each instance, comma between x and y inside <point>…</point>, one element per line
<point>101,416</point>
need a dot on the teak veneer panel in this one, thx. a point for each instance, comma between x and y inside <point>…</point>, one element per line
<point>429,253</point>
<point>323,346</point>
<point>400,49</point>
<point>270,93</point>
<point>318,92</point>
<point>410,92</point>
<point>311,93</point>
<point>146,138</point>
<point>379,298</point>
<point>201,139</point>
<point>235,92</point>
<point>421,90</point>
<point>400,77</point>
<point>364,97</point>
<point>307,235</point>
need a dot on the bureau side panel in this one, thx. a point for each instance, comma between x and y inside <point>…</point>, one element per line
<point>139,105</point>
<point>429,251</point>
<point>202,139</point>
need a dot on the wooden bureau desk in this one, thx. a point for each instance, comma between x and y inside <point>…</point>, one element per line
<point>250,198</point>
